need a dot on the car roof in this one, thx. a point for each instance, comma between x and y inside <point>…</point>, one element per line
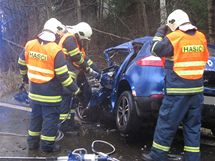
<point>128,45</point>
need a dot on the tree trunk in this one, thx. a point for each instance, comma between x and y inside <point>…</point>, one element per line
<point>99,11</point>
<point>48,5</point>
<point>145,18</point>
<point>211,21</point>
<point>78,10</point>
<point>163,13</point>
<point>2,62</point>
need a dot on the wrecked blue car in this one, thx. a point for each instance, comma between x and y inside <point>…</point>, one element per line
<point>208,112</point>
<point>131,88</point>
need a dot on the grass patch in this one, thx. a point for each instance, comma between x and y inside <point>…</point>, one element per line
<point>9,82</point>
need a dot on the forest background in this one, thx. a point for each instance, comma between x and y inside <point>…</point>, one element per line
<point>113,22</point>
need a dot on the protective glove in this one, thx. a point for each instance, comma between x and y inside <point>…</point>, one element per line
<point>161,31</point>
<point>94,73</point>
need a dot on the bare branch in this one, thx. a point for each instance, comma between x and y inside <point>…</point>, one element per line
<point>124,24</point>
<point>13,43</point>
<point>110,34</point>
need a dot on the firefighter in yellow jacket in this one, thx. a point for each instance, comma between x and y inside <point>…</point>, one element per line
<point>71,43</point>
<point>77,60</point>
<point>44,65</point>
<point>186,53</point>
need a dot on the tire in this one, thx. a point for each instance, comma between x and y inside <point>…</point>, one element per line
<point>80,112</point>
<point>126,116</point>
<point>213,131</point>
<point>87,115</point>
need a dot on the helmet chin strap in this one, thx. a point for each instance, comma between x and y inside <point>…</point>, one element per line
<point>58,37</point>
<point>77,37</point>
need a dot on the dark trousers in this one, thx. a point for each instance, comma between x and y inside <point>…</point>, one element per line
<point>174,111</point>
<point>67,113</point>
<point>43,125</point>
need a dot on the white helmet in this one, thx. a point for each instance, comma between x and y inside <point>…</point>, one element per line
<point>51,27</point>
<point>179,18</point>
<point>70,29</point>
<point>83,30</point>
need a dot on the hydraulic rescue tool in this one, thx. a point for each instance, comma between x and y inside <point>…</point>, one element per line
<point>76,155</point>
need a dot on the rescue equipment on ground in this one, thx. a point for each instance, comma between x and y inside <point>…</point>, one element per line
<point>79,154</point>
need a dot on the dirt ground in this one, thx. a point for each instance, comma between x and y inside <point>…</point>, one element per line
<point>14,125</point>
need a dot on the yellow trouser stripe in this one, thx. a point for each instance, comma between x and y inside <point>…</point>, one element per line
<point>68,81</point>
<point>65,116</point>
<point>61,70</point>
<point>21,62</point>
<point>160,147</point>
<point>47,138</point>
<point>31,133</point>
<point>185,90</point>
<point>41,98</point>
<point>191,149</point>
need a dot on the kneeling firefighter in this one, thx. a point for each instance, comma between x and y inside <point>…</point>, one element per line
<point>44,65</point>
<point>77,60</point>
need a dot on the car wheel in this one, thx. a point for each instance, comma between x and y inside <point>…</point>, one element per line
<point>213,131</point>
<point>80,112</point>
<point>126,117</point>
<point>85,114</point>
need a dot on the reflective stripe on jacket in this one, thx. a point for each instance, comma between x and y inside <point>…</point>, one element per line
<point>83,56</point>
<point>77,50</point>
<point>40,60</point>
<point>63,38</point>
<point>190,54</point>
<point>42,98</point>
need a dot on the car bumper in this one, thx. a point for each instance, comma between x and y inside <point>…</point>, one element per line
<point>148,107</point>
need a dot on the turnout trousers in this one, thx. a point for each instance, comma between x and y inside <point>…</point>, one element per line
<point>176,110</point>
<point>43,126</point>
<point>67,113</point>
